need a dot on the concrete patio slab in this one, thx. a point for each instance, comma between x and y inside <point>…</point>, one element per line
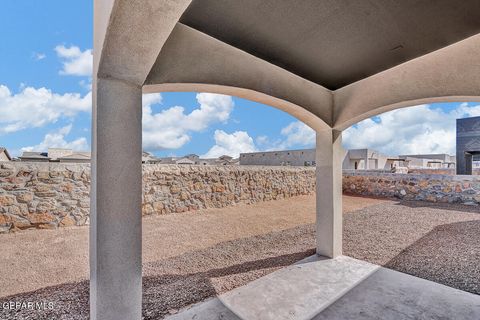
<point>340,288</point>
<point>392,295</point>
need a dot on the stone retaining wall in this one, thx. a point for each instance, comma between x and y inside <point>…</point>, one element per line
<point>182,188</point>
<point>425,187</point>
<point>475,171</point>
<point>43,195</point>
<point>49,195</point>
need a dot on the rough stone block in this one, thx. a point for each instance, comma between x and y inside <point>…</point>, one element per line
<point>24,197</point>
<point>7,200</point>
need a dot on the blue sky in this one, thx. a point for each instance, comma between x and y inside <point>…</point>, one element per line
<point>45,100</point>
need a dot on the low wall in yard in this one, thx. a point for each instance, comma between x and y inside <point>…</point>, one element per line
<point>451,171</point>
<point>424,187</point>
<point>182,188</point>
<point>49,195</point>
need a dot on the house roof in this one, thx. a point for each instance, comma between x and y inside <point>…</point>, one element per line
<point>34,155</point>
<point>76,156</point>
<point>4,150</point>
<point>148,157</point>
<point>192,155</point>
<point>184,161</point>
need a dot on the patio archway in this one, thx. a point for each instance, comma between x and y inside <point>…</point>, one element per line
<point>337,73</point>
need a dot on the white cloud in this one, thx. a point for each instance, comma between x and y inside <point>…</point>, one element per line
<point>295,135</point>
<point>57,140</point>
<point>75,61</point>
<point>420,129</point>
<point>150,99</point>
<point>33,107</point>
<point>298,134</point>
<point>87,85</point>
<point>262,140</point>
<point>38,56</point>
<point>171,128</point>
<point>230,144</point>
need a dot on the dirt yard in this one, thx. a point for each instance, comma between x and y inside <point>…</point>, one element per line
<point>190,257</point>
<point>61,256</point>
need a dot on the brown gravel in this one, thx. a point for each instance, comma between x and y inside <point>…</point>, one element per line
<point>437,242</point>
<point>35,259</point>
<point>177,282</point>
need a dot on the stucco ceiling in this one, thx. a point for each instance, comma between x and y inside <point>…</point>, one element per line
<point>335,42</point>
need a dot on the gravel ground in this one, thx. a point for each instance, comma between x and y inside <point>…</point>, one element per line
<point>61,256</point>
<point>436,242</point>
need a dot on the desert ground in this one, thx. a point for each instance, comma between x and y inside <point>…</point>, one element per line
<point>192,256</point>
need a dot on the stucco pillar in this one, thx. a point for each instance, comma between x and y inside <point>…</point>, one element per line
<point>329,193</point>
<point>115,225</point>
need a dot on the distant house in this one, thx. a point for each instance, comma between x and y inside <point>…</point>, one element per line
<point>34,156</point>
<point>184,161</point>
<point>434,161</point>
<point>149,158</point>
<point>4,155</point>
<point>368,159</point>
<point>224,160</point>
<point>57,155</point>
<point>166,160</point>
<point>304,157</point>
<point>77,157</point>
<point>194,159</point>
<point>220,161</point>
<point>353,159</point>
<point>207,162</point>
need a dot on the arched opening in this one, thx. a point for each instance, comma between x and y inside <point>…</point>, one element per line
<point>187,51</point>
<point>424,201</point>
<point>218,225</point>
<point>466,138</point>
<point>310,119</point>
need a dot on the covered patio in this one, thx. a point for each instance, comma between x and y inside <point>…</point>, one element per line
<point>328,63</point>
<point>341,288</point>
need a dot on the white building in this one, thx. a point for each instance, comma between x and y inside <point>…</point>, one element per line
<point>430,161</point>
<point>354,159</point>
<point>368,159</point>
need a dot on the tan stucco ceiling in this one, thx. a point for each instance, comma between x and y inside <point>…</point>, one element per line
<point>335,42</point>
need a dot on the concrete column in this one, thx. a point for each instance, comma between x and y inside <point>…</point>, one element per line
<point>329,193</point>
<point>115,225</point>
